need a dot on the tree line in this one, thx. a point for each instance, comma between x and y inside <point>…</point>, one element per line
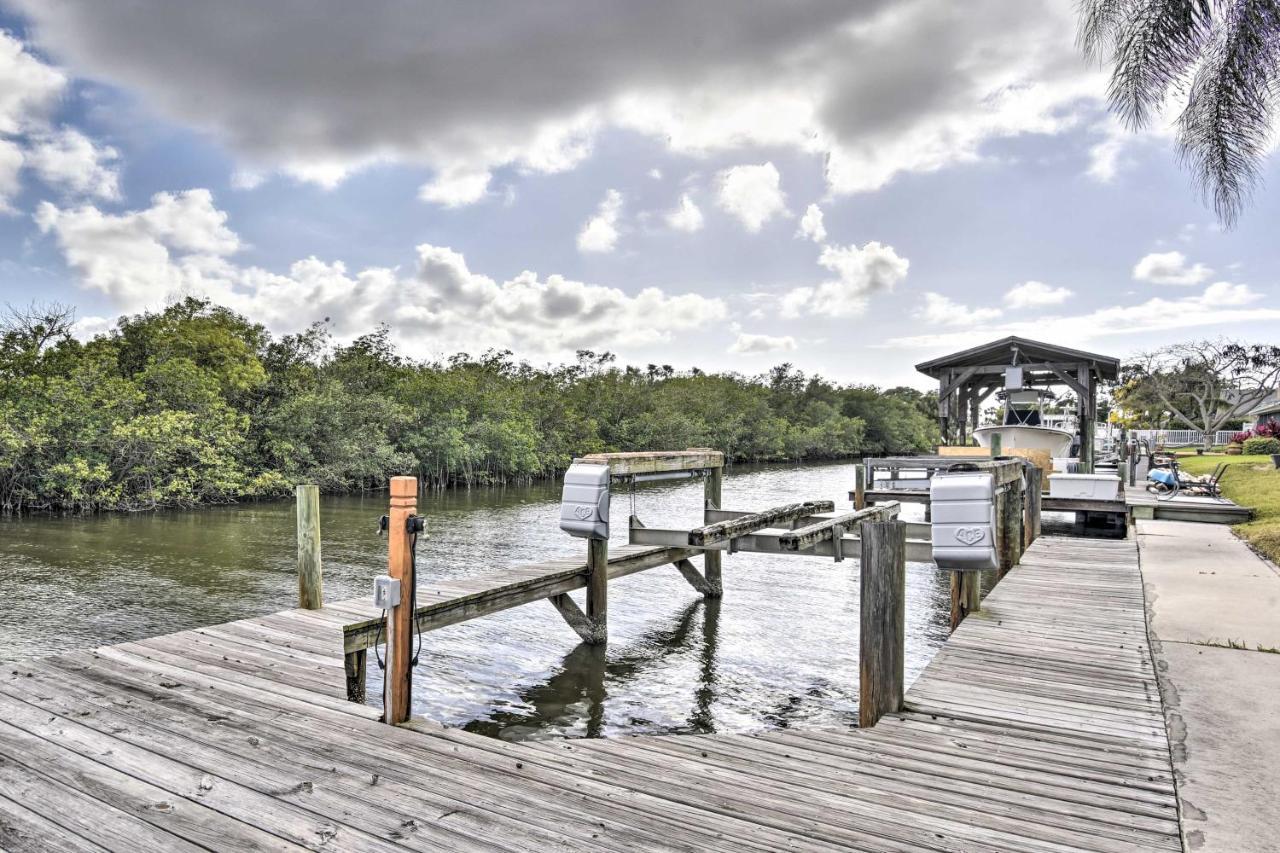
<point>196,404</point>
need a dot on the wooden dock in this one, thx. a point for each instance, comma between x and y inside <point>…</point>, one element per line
<point>1134,502</point>
<point>1038,728</point>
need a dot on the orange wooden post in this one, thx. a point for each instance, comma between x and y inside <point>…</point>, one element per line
<point>398,690</point>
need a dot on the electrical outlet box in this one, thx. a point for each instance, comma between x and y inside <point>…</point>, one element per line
<point>386,592</point>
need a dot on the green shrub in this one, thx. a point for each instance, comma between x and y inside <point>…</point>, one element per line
<point>1261,446</point>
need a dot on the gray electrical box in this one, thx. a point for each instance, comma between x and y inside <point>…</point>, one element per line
<point>386,592</point>
<point>584,504</point>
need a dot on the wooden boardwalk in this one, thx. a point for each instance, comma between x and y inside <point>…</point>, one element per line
<point>1038,727</point>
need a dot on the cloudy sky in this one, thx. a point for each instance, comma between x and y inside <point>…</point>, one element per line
<point>852,187</point>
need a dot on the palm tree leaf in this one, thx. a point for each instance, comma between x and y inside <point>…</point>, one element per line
<point>1225,130</point>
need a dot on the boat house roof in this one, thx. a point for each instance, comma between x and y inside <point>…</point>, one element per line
<point>1023,351</point>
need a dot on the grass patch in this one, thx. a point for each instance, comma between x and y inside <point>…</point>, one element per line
<point>1251,481</point>
<point>1234,644</point>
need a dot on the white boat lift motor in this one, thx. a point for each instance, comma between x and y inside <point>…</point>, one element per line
<point>963,509</point>
<point>584,502</point>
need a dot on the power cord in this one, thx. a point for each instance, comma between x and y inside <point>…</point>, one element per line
<point>414,524</point>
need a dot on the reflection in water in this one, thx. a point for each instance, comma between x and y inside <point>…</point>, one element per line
<point>779,649</point>
<point>575,695</point>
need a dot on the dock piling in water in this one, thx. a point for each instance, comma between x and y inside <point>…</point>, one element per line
<point>397,688</point>
<point>882,610</point>
<point>310,569</point>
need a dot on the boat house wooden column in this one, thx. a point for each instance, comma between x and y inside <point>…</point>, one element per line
<point>968,378</point>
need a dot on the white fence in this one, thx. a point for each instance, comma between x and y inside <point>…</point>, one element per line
<point>1181,437</point>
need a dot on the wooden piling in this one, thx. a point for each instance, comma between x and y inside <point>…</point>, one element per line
<point>310,570</point>
<point>398,689</point>
<point>966,595</point>
<point>882,620</point>
<point>598,589</point>
<point>860,486</point>
<point>711,489</point>
<point>1009,519</point>
<point>1032,495</point>
<point>355,663</point>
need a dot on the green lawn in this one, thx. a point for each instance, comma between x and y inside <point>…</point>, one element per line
<point>1251,481</point>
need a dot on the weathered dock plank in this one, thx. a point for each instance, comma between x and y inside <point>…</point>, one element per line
<point>1038,727</point>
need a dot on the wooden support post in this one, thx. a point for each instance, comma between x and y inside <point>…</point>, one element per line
<point>860,486</point>
<point>1088,415</point>
<point>966,596</point>
<point>882,620</point>
<point>355,665</point>
<point>398,688</point>
<point>582,625</point>
<point>1009,518</point>
<point>598,589</point>
<point>711,487</point>
<point>695,578</point>
<point>997,445</point>
<point>1034,492</point>
<point>310,570</point>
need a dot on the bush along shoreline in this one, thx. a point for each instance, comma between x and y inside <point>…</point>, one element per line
<point>199,405</point>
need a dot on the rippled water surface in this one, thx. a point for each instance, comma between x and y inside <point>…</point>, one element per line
<point>780,648</point>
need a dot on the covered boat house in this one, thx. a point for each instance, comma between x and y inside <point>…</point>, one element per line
<point>967,378</point>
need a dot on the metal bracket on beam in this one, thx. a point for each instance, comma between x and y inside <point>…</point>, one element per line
<point>834,529</point>
<point>727,531</point>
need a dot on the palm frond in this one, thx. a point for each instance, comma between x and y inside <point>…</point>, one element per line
<point>1225,130</point>
<point>1098,22</point>
<point>1155,46</point>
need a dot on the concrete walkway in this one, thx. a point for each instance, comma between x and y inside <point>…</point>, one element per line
<point>1207,590</point>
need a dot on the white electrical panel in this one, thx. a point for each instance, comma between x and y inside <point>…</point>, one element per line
<point>386,592</point>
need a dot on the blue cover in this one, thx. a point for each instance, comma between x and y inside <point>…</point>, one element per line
<point>1162,475</point>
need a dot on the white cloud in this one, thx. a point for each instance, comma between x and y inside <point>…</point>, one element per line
<point>686,216</point>
<point>600,233</point>
<point>861,272</point>
<point>1219,304</point>
<point>752,194</point>
<point>140,258</point>
<point>939,310</point>
<point>181,245</point>
<point>72,161</point>
<point>1170,268</point>
<point>28,87</point>
<point>1035,294</point>
<point>456,187</point>
<point>656,174</point>
<point>876,88</point>
<point>811,225</point>
<point>11,161</point>
<point>749,343</point>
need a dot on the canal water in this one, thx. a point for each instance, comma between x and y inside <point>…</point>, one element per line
<point>780,648</point>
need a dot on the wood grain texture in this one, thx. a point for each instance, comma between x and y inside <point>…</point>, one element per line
<point>1037,727</point>
<point>711,560</point>
<point>310,569</point>
<point>398,685</point>
<point>882,608</point>
<point>723,531</point>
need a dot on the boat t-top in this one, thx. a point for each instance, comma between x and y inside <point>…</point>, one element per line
<point>1025,426</point>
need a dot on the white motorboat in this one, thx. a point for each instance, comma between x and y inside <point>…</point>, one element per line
<point>1024,426</point>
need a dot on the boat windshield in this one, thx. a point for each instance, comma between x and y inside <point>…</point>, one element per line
<point>1022,415</point>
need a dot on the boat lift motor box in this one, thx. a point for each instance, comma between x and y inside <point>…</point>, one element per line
<point>1095,487</point>
<point>584,503</point>
<point>963,508</point>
